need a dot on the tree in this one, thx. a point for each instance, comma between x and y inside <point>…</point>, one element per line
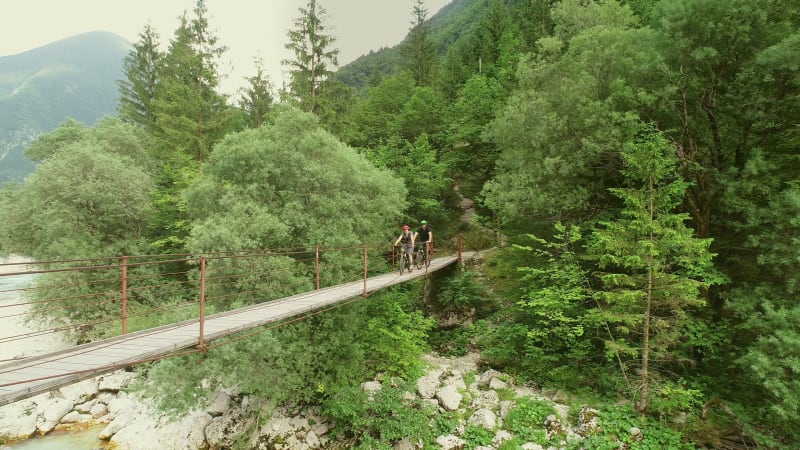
<point>653,268</point>
<point>561,130</point>
<point>191,116</point>
<point>257,99</point>
<point>141,68</point>
<point>418,48</point>
<point>313,56</point>
<point>290,183</point>
<point>90,197</point>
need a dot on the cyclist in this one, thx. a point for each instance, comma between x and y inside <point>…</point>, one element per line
<point>424,235</point>
<point>407,238</point>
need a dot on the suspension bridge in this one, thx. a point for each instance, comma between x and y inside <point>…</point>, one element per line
<point>160,306</point>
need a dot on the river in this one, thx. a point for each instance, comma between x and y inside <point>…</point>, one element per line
<point>12,324</point>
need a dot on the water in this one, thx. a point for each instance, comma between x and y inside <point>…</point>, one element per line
<point>12,314</point>
<point>12,324</point>
<point>62,440</point>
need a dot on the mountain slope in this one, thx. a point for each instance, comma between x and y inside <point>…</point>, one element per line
<point>39,89</point>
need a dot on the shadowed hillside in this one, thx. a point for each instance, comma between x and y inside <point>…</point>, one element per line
<point>74,77</point>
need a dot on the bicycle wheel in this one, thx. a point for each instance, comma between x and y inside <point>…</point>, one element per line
<point>403,261</point>
<point>419,259</point>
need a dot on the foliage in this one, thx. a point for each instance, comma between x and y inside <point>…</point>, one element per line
<point>554,292</point>
<point>379,418</point>
<point>418,48</point>
<point>397,335</point>
<point>257,98</point>
<point>141,68</point>
<point>91,196</point>
<point>526,420</point>
<point>652,268</point>
<point>290,183</point>
<point>476,436</point>
<point>616,423</point>
<point>313,55</point>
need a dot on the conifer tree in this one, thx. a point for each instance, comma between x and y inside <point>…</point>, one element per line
<point>141,68</point>
<point>191,114</point>
<point>653,266</point>
<point>419,49</point>
<point>257,98</point>
<point>314,56</point>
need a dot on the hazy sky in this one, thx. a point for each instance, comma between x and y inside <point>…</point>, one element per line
<point>248,28</point>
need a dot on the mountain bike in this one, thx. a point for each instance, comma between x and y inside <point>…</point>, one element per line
<point>421,257</point>
<point>403,258</point>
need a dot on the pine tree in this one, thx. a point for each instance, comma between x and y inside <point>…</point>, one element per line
<point>191,114</point>
<point>313,56</point>
<point>653,266</point>
<point>257,98</point>
<point>419,49</point>
<point>141,68</point>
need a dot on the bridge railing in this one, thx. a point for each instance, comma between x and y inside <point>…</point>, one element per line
<point>78,301</point>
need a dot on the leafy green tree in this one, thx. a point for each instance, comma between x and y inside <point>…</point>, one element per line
<point>418,48</point>
<point>290,183</point>
<point>559,133</point>
<point>554,292</point>
<point>653,268</point>
<point>375,115</point>
<point>468,153</point>
<point>90,197</point>
<point>314,58</point>
<point>49,144</point>
<point>141,68</point>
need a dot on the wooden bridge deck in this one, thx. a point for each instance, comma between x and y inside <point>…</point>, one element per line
<point>43,373</point>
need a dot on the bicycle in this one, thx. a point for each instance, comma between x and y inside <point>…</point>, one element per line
<point>420,258</point>
<point>403,258</point>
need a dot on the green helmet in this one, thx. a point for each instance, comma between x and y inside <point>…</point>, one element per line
<point>424,222</point>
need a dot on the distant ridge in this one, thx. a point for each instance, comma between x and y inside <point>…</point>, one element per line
<point>74,77</point>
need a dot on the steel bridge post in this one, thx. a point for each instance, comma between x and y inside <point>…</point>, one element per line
<point>201,340</point>
<point>124,295</point>
<point>365,271</point>
<point>316,265</point>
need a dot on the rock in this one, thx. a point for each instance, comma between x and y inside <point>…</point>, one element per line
<point>98,410</point>
<point>18,420</point>
<point>450,442</point>
<point>52,413</point>
<point>71,417</point>
<point>497,383</point>
<point>85,407</point>
<point>483,418</point>
<point>554,428</point>
<point>636,434</point>
<point>188,433</point>
<point>222,431</point>
<point>371,386</point>
<point>219,403</point>
<point>588,422</point>
<point>531,446</point>
<point>449,398</point>
<point>80,392</point>
<point>500,437</point>
<point>486,399</point>
<point>428,384</point>
<point>115,381</point>
<point>312,440</point>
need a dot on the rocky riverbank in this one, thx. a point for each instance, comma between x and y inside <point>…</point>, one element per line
<point>481,399</point>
